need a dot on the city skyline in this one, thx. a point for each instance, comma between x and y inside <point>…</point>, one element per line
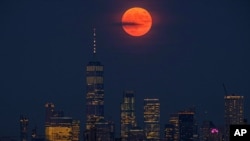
<point>183,60</point>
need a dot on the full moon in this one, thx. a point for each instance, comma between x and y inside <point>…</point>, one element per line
<point>136,21</point>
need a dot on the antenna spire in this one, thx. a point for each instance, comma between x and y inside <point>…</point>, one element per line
<point>94,41</point>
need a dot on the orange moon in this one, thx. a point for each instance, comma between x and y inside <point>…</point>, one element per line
<point>136,21</point>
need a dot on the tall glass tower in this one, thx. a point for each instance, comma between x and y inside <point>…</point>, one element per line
<point>128,118</point>
<point>233,112</point>
<point>186,125</point>
<point>152,119</point>
<point>95,90</point>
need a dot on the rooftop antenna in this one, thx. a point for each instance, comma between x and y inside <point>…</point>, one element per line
<point>94,41</point>
<point>225,90</point>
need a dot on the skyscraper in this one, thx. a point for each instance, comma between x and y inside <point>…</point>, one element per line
<point>182,126</point>
<point>205,130</point>
<point>234,112</point>
<point>152,119</point>
<point>97,128</point>
<point>186,125</point>
<point>95,90</point>
<point>128,118</point>
<point>174,120</point>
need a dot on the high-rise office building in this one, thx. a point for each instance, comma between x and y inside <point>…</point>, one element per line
<point>174,120</point>
<point>128,118</point>
<point>24,128</point>
<point>97,128</point>
<point>182,126</point>
<point>95,91</point>
<point>234,112</point>
<point>187,126</point>
<point>205,130</point>
<point>152,119</point>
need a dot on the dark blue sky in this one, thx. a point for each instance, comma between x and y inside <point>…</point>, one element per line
<point>192,49</point>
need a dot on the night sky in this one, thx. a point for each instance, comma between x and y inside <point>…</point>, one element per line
<point>193,47</point>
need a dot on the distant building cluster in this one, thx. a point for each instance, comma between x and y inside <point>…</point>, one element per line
<point>181,126</point>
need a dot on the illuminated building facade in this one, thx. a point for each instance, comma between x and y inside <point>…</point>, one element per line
<point>95,91</point>
<point>234,112</point>
<point>128,118</point>
<point>152,119</point>
<point>58,127</point>
<point>174,120</point>
<point>24,128</point>
<point>75,130</point>
<point>97,128</point>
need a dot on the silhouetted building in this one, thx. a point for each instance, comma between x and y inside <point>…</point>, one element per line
<point>234,112</point>
<point>128,118</point>
<point>152,119</point>
<point>187,125</point>
<point>24,128</point>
